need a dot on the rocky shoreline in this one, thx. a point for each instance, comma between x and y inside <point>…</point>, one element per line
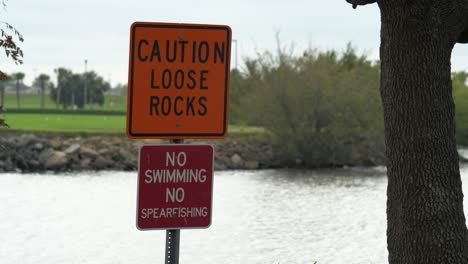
<point>42,152</point>
<point>48,152</point>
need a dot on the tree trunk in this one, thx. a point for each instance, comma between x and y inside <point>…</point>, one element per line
<point>18,94</point>
<point>42,94</point>
<point>2,103</point>
<point>57,96</point>
<point>426,223</point>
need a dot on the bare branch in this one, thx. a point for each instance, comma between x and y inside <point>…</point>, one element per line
<point>3,124</point>
<point>8,42</point>
<point>355,3</point>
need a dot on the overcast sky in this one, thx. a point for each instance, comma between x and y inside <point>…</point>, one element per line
<point>63,33</point>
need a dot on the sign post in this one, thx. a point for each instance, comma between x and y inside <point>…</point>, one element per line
<point>173,235</point>
<point>178,88</point>
<point>172,246</point>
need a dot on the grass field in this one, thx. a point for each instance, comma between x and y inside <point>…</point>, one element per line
<point>80,122</point>
<point>66,123</point>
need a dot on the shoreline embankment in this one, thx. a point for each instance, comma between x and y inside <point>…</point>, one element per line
<point>45,152</point>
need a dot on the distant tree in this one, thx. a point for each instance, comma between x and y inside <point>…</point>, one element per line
<point>460,97</point>
<point>350,59</point>
<point>43,81</point>
<point>121,88</point>
<point>19,76</point>
<point>70,90</point>
<point>63,76</point>
<point>239,85</point>
<point>64,80</point>
<point>96,88</point>
<point>243,85</point>
<point>3,83</point>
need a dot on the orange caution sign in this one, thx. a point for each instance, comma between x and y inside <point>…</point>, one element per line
<point>178,85</point>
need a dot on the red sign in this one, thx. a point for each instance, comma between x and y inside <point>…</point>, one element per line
<point>175,184</point>
<point>178,85</point>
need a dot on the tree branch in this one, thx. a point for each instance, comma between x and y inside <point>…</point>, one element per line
<point>355,3</point>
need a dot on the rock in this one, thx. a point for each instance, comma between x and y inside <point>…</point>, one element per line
<point>101,163</point>
<point>26,139</point>
<point>33,165</point>
<point>9,165</point>
<point>73,160</point>
<point>84,163</point>
<point>55,143</point>
<point>219,166</point>
<point>87,152</point>
<point>222,161</point>
<point>237,161</point>
<point>251,164</point>
<point>130,166</point>
<point>104,151</point>
<point>126,155</point>
<point>56,160</point>
<point>115,140</point>
<point>4,165</point>
<point>45,154</point>
<point>38,146</point>
<point>72,149</point>
<point>11,141</point>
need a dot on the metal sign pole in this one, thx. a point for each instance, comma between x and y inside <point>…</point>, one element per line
<point>172,246</point>
<point>173,235</point>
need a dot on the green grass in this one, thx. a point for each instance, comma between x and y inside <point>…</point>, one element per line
<point>82,123</point>
<point>242,129</point>
<point>66,123</point>
<point>79,121</point>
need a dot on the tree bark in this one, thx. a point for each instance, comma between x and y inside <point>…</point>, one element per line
<point>426,223</point>
<point>42,93</point>
<point>18,93</point>
<point>2,94</point>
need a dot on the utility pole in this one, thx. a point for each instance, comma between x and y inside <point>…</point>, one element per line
<point>73,100</point>
<point>85,83</point>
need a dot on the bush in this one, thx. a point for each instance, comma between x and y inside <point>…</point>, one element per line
<point>460,94</point>
<point>321,109</point>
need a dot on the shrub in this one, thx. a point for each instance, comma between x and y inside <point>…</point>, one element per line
<point>321,109</point>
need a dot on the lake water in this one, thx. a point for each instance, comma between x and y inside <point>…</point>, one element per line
<point>271,217</point>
